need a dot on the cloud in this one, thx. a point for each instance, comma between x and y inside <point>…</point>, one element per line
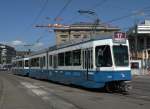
<point>20,45</point>
<point>38,46</point>
<point>17,43</point>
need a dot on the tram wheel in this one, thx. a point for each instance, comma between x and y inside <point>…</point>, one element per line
<point>108,88</point>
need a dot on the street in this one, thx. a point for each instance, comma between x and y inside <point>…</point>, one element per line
<point>18,92</point>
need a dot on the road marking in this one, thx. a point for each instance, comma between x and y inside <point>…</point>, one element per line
<point>28,85</point>
<point>35,89</point>
<point>39,92</point>
<point>48,96</point>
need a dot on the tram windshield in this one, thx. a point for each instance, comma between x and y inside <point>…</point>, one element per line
<point>121,55</point>
<point>103,56</point>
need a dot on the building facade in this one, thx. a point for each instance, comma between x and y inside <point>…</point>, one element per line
<point>6,54</point>
<point>20,54</point>
<point>82,30</point>
<point>139,40</point>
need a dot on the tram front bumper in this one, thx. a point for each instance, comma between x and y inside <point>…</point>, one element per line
<point>106,76</point>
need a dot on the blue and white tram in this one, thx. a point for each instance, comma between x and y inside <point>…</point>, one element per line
<point>94,63</point>
<point>91,64</point>
<point>21,66</point>
<point>26,66</point>
<point>38,65</point>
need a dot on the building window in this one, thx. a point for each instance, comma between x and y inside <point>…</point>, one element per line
<point>63,40</point>
<point>148,43</point>
<point>85,36</point>
<point>141,44</point>
<point>63,36</point>
<point>76,36</point>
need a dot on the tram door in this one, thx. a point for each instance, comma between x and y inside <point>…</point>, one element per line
<point>87,56</point>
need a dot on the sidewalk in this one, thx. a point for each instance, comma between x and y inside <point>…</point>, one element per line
<point>140,72</point>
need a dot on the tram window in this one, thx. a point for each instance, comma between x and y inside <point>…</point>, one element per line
<point>61,59</point>
<point>50,60</point>
<point>20,64</point>
<point>17,64</point>
<point>76,57</point>
<point>103,56</point>
<point>87,58</point>
<point>26,63</point>
<point>42,62</point>
<point>35,62</point>
<point>32,62</point>
<point>91,58</point>
<point>55,60</point>
<point>121,55</point>
<point>68,59</point>
<point>14,64</point>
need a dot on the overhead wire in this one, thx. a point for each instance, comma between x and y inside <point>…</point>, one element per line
<point>40,12</point>
<point>115,19</point>
<point>63,9</point>
<point>37,17</point>
<point>99,4</point>
<point>129,15</point>
<point>94,7</point>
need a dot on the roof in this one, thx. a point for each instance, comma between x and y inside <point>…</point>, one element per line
<point>92,23</point>
<point>88,25</point>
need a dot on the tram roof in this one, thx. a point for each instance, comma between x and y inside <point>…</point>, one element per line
<point>72,43</point>
<point>80,41</point>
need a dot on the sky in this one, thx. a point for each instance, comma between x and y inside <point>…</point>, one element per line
<point>19,17</point>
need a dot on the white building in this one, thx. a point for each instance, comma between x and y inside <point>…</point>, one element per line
<point>6,54</point>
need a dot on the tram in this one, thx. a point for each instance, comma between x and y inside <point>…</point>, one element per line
<point>101,62</point>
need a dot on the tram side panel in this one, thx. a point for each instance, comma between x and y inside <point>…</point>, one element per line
<point>38,66</point>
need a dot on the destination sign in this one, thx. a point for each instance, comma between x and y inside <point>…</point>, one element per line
<point>119,37</point>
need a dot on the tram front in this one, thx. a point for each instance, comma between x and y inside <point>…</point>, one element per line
<point>113,63</point>
<point>121,63</point>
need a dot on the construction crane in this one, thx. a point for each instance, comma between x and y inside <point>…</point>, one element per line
<point>52,26</point>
